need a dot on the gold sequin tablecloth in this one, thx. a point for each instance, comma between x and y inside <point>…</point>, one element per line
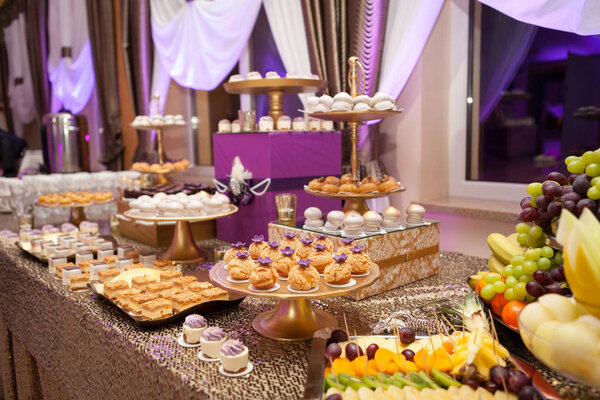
<point>86,349</point>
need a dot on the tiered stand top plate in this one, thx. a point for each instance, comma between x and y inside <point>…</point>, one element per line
<point>372,195</point>
<point>354,116</point>
<point>287,85</point>
<point>130,214</point>
<point>218,274</point>
<point>74,204</point>
<point>155,127</point>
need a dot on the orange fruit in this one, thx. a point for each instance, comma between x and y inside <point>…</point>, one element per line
<point>510,313</point>
<point>498,303</point>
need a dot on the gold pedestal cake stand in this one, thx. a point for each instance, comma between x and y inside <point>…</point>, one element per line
<point>183,249</point>
<point>275,88</point>
<point>354,201</point>
<point>294,318</point>
<point>77,209</point>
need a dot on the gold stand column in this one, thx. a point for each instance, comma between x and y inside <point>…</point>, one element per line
<point>77,215</point>
<point>183,247</point>
<point>276,104</point>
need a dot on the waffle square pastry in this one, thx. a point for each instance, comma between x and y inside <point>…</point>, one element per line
<point>163,264</point>
<point>184,281</point>
<point>156,288</point>
<point>156,309</point>
<point>124,295</point>
<point>214,294</point>
<point>199,286</point>
<point>136,301</point>
<point>147,259</point>
<point>107,275</point>
<point>85,266</point>
<point>134,266</point>
<point>181,301</point>
<point>167,294</point>
<point>58,268</point>
<point>114,287</point>
<point>79,281</point>
<point>142,282</point>
<point>111,259</point>
<point>170,276</point>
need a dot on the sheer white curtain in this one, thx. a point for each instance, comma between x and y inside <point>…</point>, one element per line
<point>287,25</point>
<point>199,42</point>
<point>578,16</point>
<point>72,76</point>
<point>20,89</point>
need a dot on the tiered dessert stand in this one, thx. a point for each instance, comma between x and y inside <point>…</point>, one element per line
<point>77,209</point>
<point>354,201</point>
<point>183,249</point>
<point>276,88</point>
<point>294,318</point>
<point>163,172</point>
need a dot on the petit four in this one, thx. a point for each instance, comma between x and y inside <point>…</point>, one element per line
<point>110,259</point>
<point>69,229</point>
<point>414,215</point>
<point>231,253</point>
<point>24,234</point>
<point>102,254</point>
<point>163,264</point>
<point>122,250</point>
<point>46,229</point>
<point>257,246</point>
<point>358,260</point>
<point>182,301</point>
<point>264,276</point>
<point>303,277</point>
<point>253,75</point>
<point>88,227</point>
<point>156,288</point>
<point>121,263</point>
<point>147,259</point>
<point>129,267</point>
<point>105,275</point>
<point>135,302</point>
<point>321,257</point>
<point>298,124</point>
<point>241,266</point>
<point>392,218</point>
<point>59,268</point>
<point>214,294</point>
<point>224,126</point>
<point>170,276</point>
<point>193,327</point>
<point>234,356</point>
<point>314,217</point>
<point>184,281</point>
<point>284,123</point>
<point>36,245</point>
<point>83,256</point>
<point>326,125</point>
<point>156,309</point>
<point>142,282</point>
<point>69,271</point>
<point>353,225</point>
<point>272,75</point>
<point>338,272</point>
<point>167,294</point>
<point>85,266</point>
<point>323,239</point>
<point>235,126</point>
<point>335,220</point>
<point>114,287</point>
<point>124,296</point>
<point>199,286</point>
<point>372,221</point>
<point>79,281</point>
<point>265,123</point>
<point>54,261</point>
<point>211,341</point>
<point>236,78</point>
<point>314,124</point>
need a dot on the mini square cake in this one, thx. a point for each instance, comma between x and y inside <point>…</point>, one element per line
<point>170,276</point>
<point>133,266</point>
<point>114,287</point>
<point>46,246</point>
<point>61,251</point>
<point>105,245</point>
<point>147,259</point>
<point>67,272</point>
<point>54,261</point>
<point>136,301</point>
<point>110,259</point>
<point>156,288</point>
<point>81,247</point>
<point>156,309</point>
<point>96,267</point>
<point>167,294</point>
<point>104,253</point>
<point>76,244</point>
<point>184,281</point>
<point>123,296</point>
<point>181,301</point>
<point>88,238</point>
<point>163,264</point>
<point>36,245</point>
<point>85,266</point>
<point>106,275</point>
<point>121,250</point>
<point>134,255</point>
<point>83,256</point>
<point>79,281</point>
<point>199,286</point>
<point>63,239</point>
<point>142,282</point>
<point>59,267</point>
<point>215,294</point>
<point>122,262</point>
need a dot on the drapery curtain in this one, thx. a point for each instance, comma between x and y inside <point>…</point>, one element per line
<point>287,26</point>
<point>20,91</point>
<point>70,65</point>
<point>325,22</point>
<point>36,14</point>
<point>504,45</point>
<point>199,42</point>
<point>103,44</point>
<point>578,16</point>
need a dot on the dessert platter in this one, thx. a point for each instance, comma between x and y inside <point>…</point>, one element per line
<point>275,86</point>
<point>294,272</point>
<point>158,294</point>
<point>283,123</point>
<point>76,201</point>
<point>182,209</point>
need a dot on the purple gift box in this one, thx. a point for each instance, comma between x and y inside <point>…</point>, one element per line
<point>290,159</point>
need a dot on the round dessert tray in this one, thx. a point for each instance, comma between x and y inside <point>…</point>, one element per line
<point>355,116</point>
<point>275,88</point>
<point>156,127</point>
<point>77,209</point>
<point>354,201</point>
<point>161,176</point>
<point>294,318</point>
<point>183,249</point>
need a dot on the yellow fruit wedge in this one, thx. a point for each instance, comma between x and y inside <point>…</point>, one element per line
<point>495,264</point>
<point>502,247</point>
<point>567,223</point>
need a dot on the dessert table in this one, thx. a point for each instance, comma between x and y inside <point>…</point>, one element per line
<point>59,344</point>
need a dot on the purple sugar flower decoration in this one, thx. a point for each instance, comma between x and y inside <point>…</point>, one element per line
<point>289,235</point>
<point>238,245</point>
<point>321,236</point>
<point>340,258</point>
<point>320,247</point>
<point>288,251</point>
<point>304,263</point>
<point>264,261</point>
<point>357,249</point>
<point>273,244</point>
<point>347,240</point>
<point>258,238</point>
<point>242,255</point>
<point>307,241</point>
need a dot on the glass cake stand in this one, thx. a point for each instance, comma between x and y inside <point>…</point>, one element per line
<point>183,249</point>
<point>294,318</point>
<point>77,209</point>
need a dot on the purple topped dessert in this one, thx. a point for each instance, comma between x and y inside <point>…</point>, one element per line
<point>238,245</point>
<point>340,258</point>
<point>288,251</point>
<point>357,249</point>
<point>242,254</point>
<point>258,238</point>
<point>273,244</point>
<point>195,321</point>
<point>232,348</point>
<point>289,235</point>
<point>320,247</point>
<point>264,261</point>
<point>347,240</point>
<point>307,241</point>
<point>304,263</point>
<point>321,236</point>
<point>213,334</point>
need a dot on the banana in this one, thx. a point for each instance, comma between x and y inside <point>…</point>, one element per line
<point>502,247</point>
<point>495,265</point>
<point>473,279</point>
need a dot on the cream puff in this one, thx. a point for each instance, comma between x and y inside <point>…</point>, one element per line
<point>321,258</point>
<point>346,178</point>
<point>231,253</point>
<point>306,248</point>
<point>285,261</point>
<point>359,260</point>
<point>388,183</point>
<point>303,277</point>
<point>264,276</point>
<point>271,251</point>
<point>345,247</point>
<point>290,240</point>
<point>316,184</point>
<point>257,246</point>
<point>241,266</point>
<point>339,271</point>
<point>323,239</point>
